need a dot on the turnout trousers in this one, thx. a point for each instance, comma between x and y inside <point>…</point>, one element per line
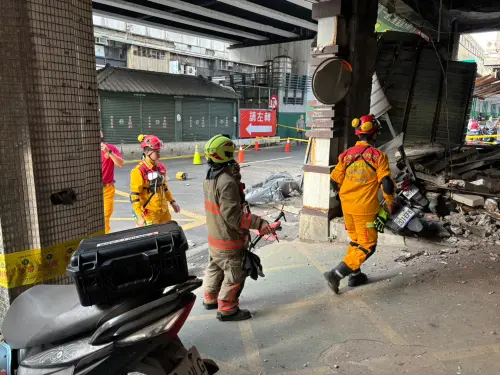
<point>363,237</point>
<point>224,280</point>
<point>109,205</point>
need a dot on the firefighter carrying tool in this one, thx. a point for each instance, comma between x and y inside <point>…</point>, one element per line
<point>149,193</point>
<point>228,231</point>
<point>360,172</point>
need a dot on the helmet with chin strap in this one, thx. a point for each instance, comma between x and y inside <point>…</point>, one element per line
<point>150,142</point>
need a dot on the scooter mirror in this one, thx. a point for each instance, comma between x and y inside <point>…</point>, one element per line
<point>332,81</point>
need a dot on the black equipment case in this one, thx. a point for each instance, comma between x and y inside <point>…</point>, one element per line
<point>129,263</point>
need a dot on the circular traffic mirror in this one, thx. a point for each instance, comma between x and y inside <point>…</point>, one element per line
<point>332,80</point>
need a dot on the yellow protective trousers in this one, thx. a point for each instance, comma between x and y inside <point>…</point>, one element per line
<point>109,205</point>
<point>224,280</point>
<point>363,237</point>
<point>157,217</point>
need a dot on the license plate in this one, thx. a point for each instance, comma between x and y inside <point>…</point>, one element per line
<point>191,365</point>
<point>411,192</point>
<point>404,217</point>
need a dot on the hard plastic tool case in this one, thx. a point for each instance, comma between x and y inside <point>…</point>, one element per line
<point>125,264</point>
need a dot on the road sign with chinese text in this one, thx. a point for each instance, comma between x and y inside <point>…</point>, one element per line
<point>257,123</point>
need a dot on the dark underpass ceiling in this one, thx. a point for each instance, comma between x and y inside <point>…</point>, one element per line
<point>240,22</point>
<point>257,22</point>
<point>465,16</point>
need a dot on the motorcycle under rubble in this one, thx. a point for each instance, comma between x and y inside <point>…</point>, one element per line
<point>131,297</point>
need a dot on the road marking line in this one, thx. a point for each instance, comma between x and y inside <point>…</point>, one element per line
<point>378,322</point>
<point>133,219</point>
<point>199,220</point>
<point>469,352</point>
<point>255,364</point>
<point>283,268</point>
<point>122,193</point>
<point>364,308</point>
<point>266,161</point>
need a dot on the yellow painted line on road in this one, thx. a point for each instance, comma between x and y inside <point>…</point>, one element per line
<point>255,363</point>
<point>469,352</point>
<point>363,307</point>
<point>133,219</point>
<point>198,220</point>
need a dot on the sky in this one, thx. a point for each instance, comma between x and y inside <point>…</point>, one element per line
<point>484,38</point>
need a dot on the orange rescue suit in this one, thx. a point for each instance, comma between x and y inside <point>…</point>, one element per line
<point>359,175</point>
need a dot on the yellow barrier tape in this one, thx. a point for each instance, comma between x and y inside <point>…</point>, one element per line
<point>291,127</point>
<point>482,136</point>
<point>38,265</point>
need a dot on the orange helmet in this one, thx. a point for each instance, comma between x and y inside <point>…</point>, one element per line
<point>151,142</point>
<point>365,125</point>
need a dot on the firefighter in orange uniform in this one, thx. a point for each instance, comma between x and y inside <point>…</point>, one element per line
<point>149,193</point>
<point>359,174</point>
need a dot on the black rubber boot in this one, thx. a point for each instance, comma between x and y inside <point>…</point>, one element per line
<point>210,306</point>
<point>357,279</point>
<point>333,280</point>
<point>236,317</point>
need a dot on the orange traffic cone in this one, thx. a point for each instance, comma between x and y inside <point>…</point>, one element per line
<point>241,155</point>
<point>288,146</point>
<point>257,147</point>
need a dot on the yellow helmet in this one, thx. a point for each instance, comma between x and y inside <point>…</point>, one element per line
<point>220,149</point>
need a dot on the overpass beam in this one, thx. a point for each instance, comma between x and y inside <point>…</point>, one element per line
<point>49,148</point>
<point>346,27</point>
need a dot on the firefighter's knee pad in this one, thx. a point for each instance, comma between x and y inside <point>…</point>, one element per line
<point>372,251</point>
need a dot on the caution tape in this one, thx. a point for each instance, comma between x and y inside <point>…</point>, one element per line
<point>38,265</point>
<point>482,136</point>
<point>294,128</point>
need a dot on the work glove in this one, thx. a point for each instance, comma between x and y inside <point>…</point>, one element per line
<point>380,221</point>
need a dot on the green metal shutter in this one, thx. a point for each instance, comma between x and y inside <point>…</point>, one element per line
<point>195,120</point>
<point>121,118</point>
<point>222,118</point>
<point>158,117</point>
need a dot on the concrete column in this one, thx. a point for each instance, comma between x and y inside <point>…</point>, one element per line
<point>346,29</point>
<point>49,149</point>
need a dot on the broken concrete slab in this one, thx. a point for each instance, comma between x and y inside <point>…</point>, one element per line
<point>464,185</point>
<point>464,155</point>
<point>468,200</point>
<point>489,183</point>
<point>466,167</point>
<point>493,173</point>
<point>436,180</point>
<point>472,175</point>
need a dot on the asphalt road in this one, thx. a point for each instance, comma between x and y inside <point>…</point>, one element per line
<point>189,193</point>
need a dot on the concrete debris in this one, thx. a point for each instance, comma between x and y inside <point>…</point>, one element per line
<point>454,195</point>
<point>407,256</point>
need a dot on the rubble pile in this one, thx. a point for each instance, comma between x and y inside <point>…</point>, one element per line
<point>452,193</point>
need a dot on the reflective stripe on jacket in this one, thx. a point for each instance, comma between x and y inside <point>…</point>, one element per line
<point>359,174</point>
<point>227,223</point>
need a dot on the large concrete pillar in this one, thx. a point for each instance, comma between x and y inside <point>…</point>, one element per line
<point>49,140</point>
<point>346,29</point>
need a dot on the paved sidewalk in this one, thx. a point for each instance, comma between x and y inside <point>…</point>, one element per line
<point>435,314</point>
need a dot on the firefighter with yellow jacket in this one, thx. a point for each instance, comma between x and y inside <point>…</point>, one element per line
<point>359,174</point>
<point>149,193</point>
<point>228,231</point>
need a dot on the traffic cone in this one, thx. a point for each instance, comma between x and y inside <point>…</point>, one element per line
<point>257,147</point>
<point>241,155</point>
<point>288,146</point>
<point>197,157</point>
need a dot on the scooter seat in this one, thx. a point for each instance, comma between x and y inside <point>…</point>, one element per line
<point>47,314</point>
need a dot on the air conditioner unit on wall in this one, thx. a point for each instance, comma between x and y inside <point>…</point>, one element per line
<point>191,70</point>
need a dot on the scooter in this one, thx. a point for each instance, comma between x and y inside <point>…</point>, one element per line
<point>47,331</point>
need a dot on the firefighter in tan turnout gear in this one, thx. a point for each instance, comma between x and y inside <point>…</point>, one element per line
<point>228,231</point>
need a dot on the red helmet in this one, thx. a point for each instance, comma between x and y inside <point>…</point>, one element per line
<point>365,125</point>
<point>150,141</point>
